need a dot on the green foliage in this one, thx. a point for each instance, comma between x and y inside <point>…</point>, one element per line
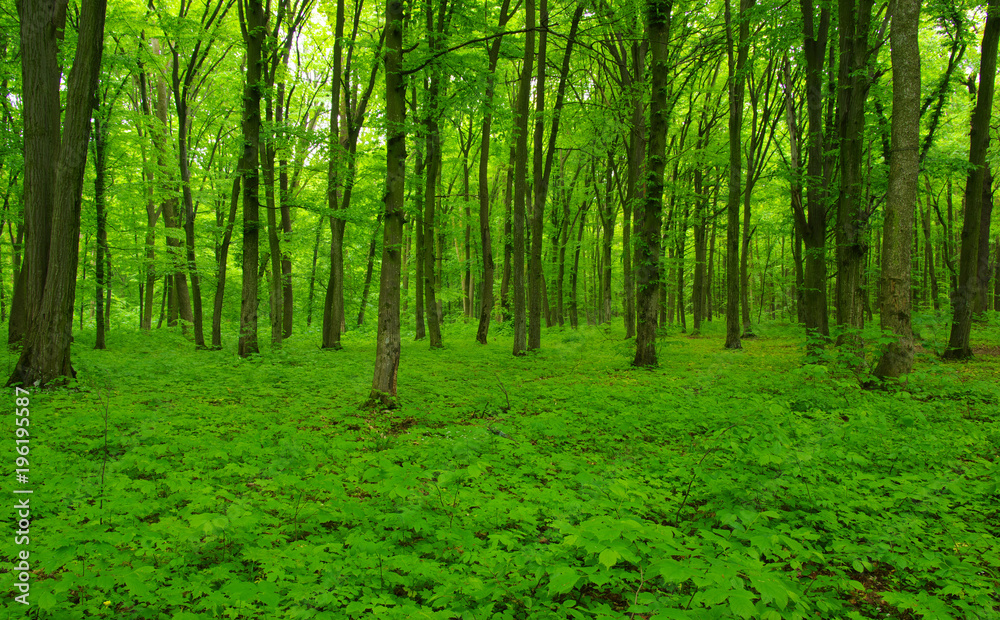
<point>181,484</point>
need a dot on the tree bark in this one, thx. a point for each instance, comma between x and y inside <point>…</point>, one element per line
<point>904,170</point>
<point>521,179</point>
<point>387,350</point>
<point>963,301</point>
<point>45,357</point>
<point>252,22</point>
<point>737,59</point>
<point>333,306</point>
<point>852,214</point>
<point>100,173</point>
<point>648,245</point>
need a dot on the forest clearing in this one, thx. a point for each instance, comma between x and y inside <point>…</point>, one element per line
<point>564,484</point>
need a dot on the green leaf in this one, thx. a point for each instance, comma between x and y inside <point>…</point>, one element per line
<point>741,603</point>
<point>609,557</point>
<point>562,579</point>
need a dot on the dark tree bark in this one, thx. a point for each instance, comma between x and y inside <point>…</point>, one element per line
<point>333,314</point>
<point>432,170</point>
<point>986,213</point>
<point>53,194</point>
<point>648,244</point>
<point>737,59</point>
<point>521,179</point>
<point>252,24</point>
<point>963,301</point>
<point>904,170</point>
<point>223,257</point>
<point>100,136</point>
<point>852,214</point>
<point>368,271</point>
<point>811,219</point>
<point>387,350</point>
<point>486,242</point>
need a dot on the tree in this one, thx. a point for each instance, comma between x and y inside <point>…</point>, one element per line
<point>648,245</point>
<point>737,61</point>
<point>53,182</point>
<point>486,242</point>
<point>387,349</point>
<point>521,178</point>
<point>252,24</point>
<point>897,236</point>
<point>963,301</point>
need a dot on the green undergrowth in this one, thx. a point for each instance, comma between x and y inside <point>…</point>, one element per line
<point>170,483</point>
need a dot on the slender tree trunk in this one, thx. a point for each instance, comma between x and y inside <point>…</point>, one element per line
<point>253,28</point>
<point>312,272</point>
<point>223,258</point>
<point>521,179</point>
<point>486,242</point>
<point>963,302</point>
<point>648,245</point>
<point>100,171</point>
<point>368,272</point>
<point>812,222</point>
<point>333,306</point>
<point>737,60</point>
<point>904,170</point>
<point>983,296</point>
<point>853,86</point>
<point>388,341</point>
<point>275,288</point>
<point>574,319</point>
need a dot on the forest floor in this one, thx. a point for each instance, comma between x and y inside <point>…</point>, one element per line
<point>182,484</point>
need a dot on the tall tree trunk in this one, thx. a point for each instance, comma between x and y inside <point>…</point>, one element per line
<point>45,356</point>
<point>521,179</point>
<point>737,60</point>
<point>368,271</point>
<point>986,212</point>
<point>648,247</point>
<point>252,21</point>
<point>853,86</point>
<point>223,258</point>
<point>486,242</point>
<point>963,302</point>
<point>275,288</point>
<point>904,170</point>
<point>388,341</point>
<point>333,306</point>
<point>574,318</point>
<point>100,171</point>
<point>812,221</point>
<point>40,76</point>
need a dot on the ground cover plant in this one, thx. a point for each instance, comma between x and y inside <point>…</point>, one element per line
<point>181,484</point>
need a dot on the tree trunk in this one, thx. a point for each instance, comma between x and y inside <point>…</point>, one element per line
<point>737,60</point>
<point>368,272</point>
<point>388,341</point>
<point>53,194</point>
<point>489,268</point>
<point>904,170</point>
<point>983,296</point>
<point>100,171</point>
<point>648,247</point>
<point>333,305</point>
<point>223,258</point>
<point>521,179</point>
<point>852,215</point>
<point>963,302</point>
<point>812,222</point>
<point>253,29</point>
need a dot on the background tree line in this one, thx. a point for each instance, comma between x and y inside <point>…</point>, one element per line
<point>522,163</point>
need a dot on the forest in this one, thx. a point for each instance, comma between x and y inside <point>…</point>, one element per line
<point>525,309</point>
